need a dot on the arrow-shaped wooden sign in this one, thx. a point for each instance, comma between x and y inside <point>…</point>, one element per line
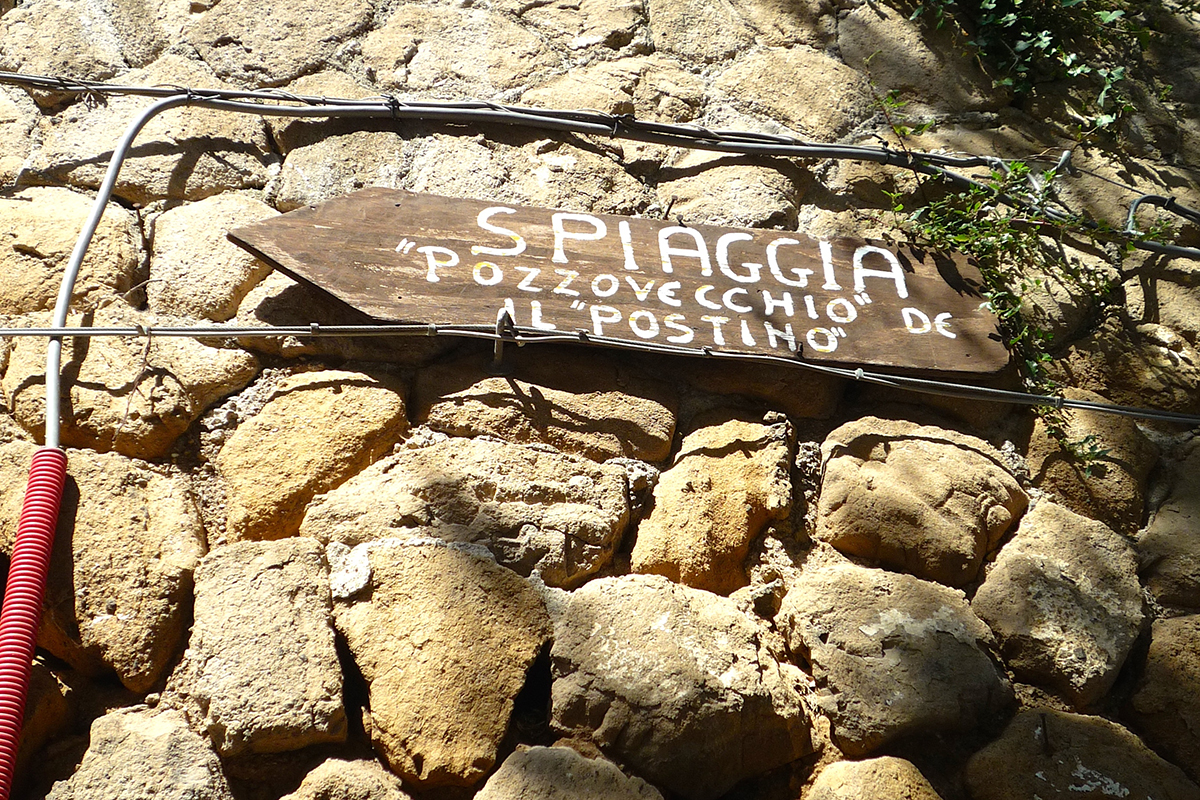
<point>405,257</point>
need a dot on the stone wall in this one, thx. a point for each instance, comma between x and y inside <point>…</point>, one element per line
<point>360,569</point>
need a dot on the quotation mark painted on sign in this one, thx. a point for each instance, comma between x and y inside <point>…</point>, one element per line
<point>862,298</point>
<point>578,305</point>
<point>405,245</point>
<point>825,340</point>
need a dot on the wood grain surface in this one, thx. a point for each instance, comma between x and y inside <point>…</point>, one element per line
<point>405,257</point>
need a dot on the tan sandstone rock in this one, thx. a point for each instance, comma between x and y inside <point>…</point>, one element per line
<point>932,64</point>
<point>181,153</point>
<point>318,429</point>
<point>461,51</point>
<point>279,300</point>
<point>87,40</point>
<point>552,397</point>
<point>824,104</point>
<point>782,23</point>
<point>129,537</point>
<point>649,87</point>
<point>892,655</point>
<point>133,395</point>
<point>884,778</point>
<point>698,31</point>
<point>48,715</point>
<point>711,188</point>
<point>195,271</point>
<point>676,682</point>
<point>1144,365</point>
<point>1165,707</point>
<point>336,779</point>
<point>319,168</point>
<point>505,166</point>
<point>560,773</point>
<point>1045,753</point>
<point>654,87</point>
<point>1167,296</point>
<point>560,515</point>
<point>288,133</point>
<point>260,673</point>
<point>57,37</point>
<point>593,28</point>
<point>923,499</point>
<point>141,752</point>
<point>1110,487</point>
<point>1169,551</point>
<point>38,229</point>
<point>18,118</point>
<point>1064,602</point>
<point>244,45</point>
<point>727,482</point>
<point>443,637</point>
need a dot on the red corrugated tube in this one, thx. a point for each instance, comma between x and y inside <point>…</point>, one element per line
<point>23,598</point>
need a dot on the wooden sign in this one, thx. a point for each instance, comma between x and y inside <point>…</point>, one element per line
<point>405,257</point>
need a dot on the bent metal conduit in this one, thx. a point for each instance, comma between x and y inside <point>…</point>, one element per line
<point>31,551</point>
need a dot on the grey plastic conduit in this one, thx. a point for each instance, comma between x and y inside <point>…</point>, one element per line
<point>63,305</point>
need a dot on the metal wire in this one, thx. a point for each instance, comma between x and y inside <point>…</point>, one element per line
<point>597,123</point>
<point>578,122</point>
<point>523,336</point>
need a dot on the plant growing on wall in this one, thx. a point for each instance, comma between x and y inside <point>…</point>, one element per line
<point>1093,44</point>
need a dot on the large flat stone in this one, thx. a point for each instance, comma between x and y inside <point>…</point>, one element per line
<point>1110,487</point>
<point>1064,601</point>
<point>1169,550</point>
<point>129,537</point>
<point>1046,753</point>
<point>317,430</point>
<point>892,655</point>
<point>1144,365</point>
<point>260,673</point>
<point>830,100</point>
<point>1165,707</point>
<point>464,51</point>
<point>675,682</point>
<point>560,515</point>
<point>132,395</point>
<point>18,118</point>
<point>923,499</point>
<point>884,778</point>
<point>180,154</point>
<point>195,271</point>
<point>727,483</point>
<point>699,31</point>
<point>337,779</point>
<point>140,752</point>
<point>593,407</point>
<point>443,637</point>
<point>58,37</point>
<point>931,64</point>
<point>38,230</point>
<point>244,45</point>
<point>560,773</point>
